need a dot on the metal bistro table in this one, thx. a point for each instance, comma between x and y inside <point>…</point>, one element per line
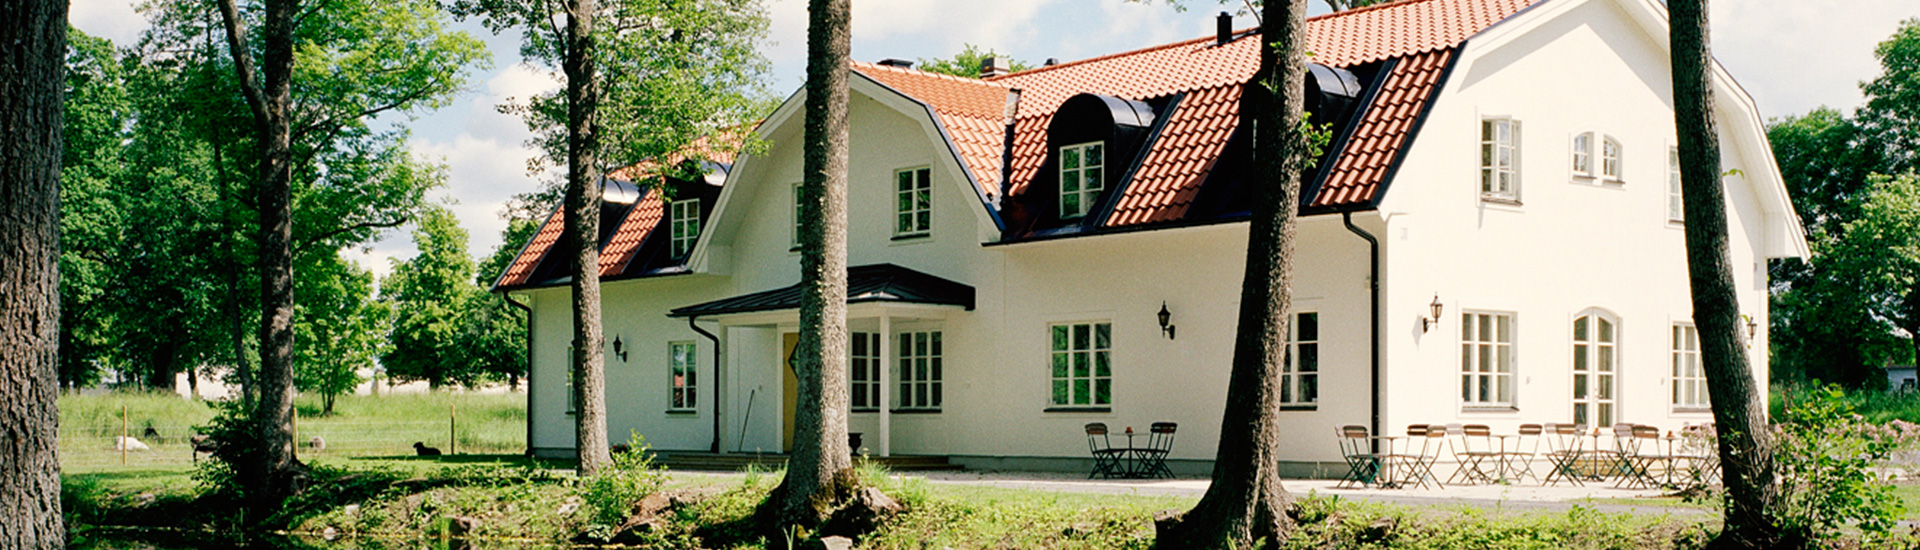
<point>1147,462</point>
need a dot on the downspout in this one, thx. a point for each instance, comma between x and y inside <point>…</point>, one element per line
<point>1373,317</point>
<point>528,325</point>
<point>716,379</point>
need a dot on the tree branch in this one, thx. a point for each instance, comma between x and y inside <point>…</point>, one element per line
<point>243,62</point>
<point>302,247</point>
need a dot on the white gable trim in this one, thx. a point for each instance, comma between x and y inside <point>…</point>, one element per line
<point>1738,117</point>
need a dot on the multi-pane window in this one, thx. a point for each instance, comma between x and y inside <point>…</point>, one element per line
<point>1610,154</point>
<point>863,369</point>
<point>920,370</point>
<point>1583,154</point>
<point>1082,364</point>
<point>1676,210</point>
<point>681,366</point>
<point>1594,370</point>
<point>913,203</point>
<point>684,217</point>
<point>799,202</point>
<point>1081,170</point>
<point>1689,383</point>
<point>1486,360</point>
<point>1500,158</point>
<point>1300,373</point>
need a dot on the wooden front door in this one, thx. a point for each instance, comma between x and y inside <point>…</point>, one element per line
<point>789,390</point>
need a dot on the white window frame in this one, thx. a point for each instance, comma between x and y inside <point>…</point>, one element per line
<point>1613,159</point>
<point>1499,158</point>
<point>683,367</point>
<point>796,215</point>
<point>920,371</point>
<point>1484,385</point>
<point>1069,385</point>
<point>1084,196</point>
<point>1688,378</point>
<point>863,371</point>
<point>683,221</point>
<point>1596,368</point>
<point>1676,206</point>
<point>1583,155</point>
<point>913,202</point>
<point>1300,371</point>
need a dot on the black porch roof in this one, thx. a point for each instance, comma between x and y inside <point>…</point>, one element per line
<point>866,283</point>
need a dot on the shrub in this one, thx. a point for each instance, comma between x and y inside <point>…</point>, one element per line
<point>1826,454</point>
<point>610,495</point>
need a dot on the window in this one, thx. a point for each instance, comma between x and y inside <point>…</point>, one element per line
<point>1583,155</point>
<point>684,217</point>
<point>864,370</point>
<point>1689,383</point>
<point>1080,178</point>
<point>798,218</point>
<point>1082,368</point>
<point>681,366</point>
<point>1594,371</point>
<point>1499,159</point>
<point>1676,209</point>
<point>913,207</point>
<point>1610,154</point>
<point>920,370</point>
<point>1486,360</point>
<point>1300,374</point>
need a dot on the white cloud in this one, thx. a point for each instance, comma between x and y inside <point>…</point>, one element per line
<point>1794,55</point>
<point>115,20</point>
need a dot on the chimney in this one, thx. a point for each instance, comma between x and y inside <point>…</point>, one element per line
<point>899,63</point>
<point>1225,24</point>
<point>993,66</point>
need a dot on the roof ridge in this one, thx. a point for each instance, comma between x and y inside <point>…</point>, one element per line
<point>930,74</point>
<point>1254,29</point>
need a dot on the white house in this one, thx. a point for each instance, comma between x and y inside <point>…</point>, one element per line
<point>1505,167</point>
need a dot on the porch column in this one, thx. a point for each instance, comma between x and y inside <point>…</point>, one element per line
<point>886,384</point>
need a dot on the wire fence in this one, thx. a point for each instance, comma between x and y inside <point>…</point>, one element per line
<point>146,444</point>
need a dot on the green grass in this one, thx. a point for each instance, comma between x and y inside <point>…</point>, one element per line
<point>1878,407</point>
<point>361,426</point>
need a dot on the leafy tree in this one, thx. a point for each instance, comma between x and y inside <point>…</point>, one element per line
<point>32,47</point>
<point>1344,5</point>
<point>820,469</point>
<point>1885,245</point>
<point>429,295</point>
<point>966,64</point>
<point>644,79</point>
<point>1247,501</point>
<point>1891,116</point>
<point>496,331</point>
<point>98,112</point>
<point>339,324</point>
<point>1739,407</point>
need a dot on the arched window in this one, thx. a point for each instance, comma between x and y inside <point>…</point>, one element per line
<point>1595,369</point>
<point>1583,154</point>
<point>1610,154</point>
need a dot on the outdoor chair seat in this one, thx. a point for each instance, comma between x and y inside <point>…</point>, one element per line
<point>1107,461</point>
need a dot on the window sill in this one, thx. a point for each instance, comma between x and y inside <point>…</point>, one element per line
<point>1504,201</point>
<point>911,237</point>
<point>683,412</point>
<point>1301,407</point>
<point>1613,181</point>
<point>1692,410</point>
<point>1680,223</point>
<point>1580,176</point>
<point>1493,409</point>
<point>1079,409</point>
<point>914,411</point>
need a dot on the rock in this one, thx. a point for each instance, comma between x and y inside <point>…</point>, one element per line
<point>124,443</point>
<point>1379,531</point>
<point>1079,530</point>
<point>865,512</point>
<point>330,534</point>
<point>839,543</point>
<point>461,525</point>
<point>571,504</point>
<point>351,509</point>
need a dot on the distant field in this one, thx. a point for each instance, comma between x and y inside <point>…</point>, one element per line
<point>361,426</point>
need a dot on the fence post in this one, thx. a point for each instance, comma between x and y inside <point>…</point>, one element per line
<point>453,441</point>
<point>122,443</point>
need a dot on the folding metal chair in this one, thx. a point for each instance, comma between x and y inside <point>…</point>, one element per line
<point>1364,467</point>
<point>1472,447</point>
<point>1159,445</point>
<point>1563,453</point>
<point>1519,461</point>
<point>1422,450</point>
<point>1106,459</point>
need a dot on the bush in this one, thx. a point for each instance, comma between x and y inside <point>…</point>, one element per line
<point>610,495</point>
<point>1826,454</point>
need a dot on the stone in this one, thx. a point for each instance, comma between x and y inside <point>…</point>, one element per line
<point>862,514</point>
<point>461,525</point>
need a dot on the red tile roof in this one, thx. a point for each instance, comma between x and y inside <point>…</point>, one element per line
<point>633,230</point>
<point>1170,176</point>
<point>974,113</point>
<point>522,267</point>
<point>1375,143</point>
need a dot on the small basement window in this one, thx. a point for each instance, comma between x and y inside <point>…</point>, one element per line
<point>1082,170</point>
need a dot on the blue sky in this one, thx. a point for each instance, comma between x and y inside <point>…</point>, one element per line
<point>1791,55</point>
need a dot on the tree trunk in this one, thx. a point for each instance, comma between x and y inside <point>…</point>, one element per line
<point>1739,408</point>
<point>273,475</point>
<point>33,44</point>
<point>819,472</point>
<point>583,231</point>
<point>1246,501</point>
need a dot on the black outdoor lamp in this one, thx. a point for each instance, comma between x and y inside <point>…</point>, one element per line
<point>619,349</point>
<point>1752,327</point>
<point>1427,323</point>
<point>1166,320</point>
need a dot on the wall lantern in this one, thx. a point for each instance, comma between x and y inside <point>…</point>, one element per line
<point>1166,320</point>
<point>1752,327</point>
<point>619,349</point>
<point>1427,323</point>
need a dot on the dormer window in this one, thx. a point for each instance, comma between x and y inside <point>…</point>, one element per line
<point>1583,155</point>
<point>1610,154</point>
<point>913,205</point>
<point>1081,177</point>
<point>684,219</point>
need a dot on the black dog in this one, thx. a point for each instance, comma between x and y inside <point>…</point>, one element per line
<point>423,450</point>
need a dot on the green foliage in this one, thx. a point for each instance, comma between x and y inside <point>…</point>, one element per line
<point>1826,453</point>
<point>966,63</point>
<point>611,494</point>
<point>340,326</point>
<point>1891,116</point>
<point>446,328</point>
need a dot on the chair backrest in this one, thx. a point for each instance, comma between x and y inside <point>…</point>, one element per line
<point>1474,438</point>
<point>1623,440</point>
<point>1530,429</point>
<point>1097,437</point>
<point>1562,438</point>
<point>1649,437</point>
<point>1352,438</point>
<point>1529,438</point>
<point>1162,435</point>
